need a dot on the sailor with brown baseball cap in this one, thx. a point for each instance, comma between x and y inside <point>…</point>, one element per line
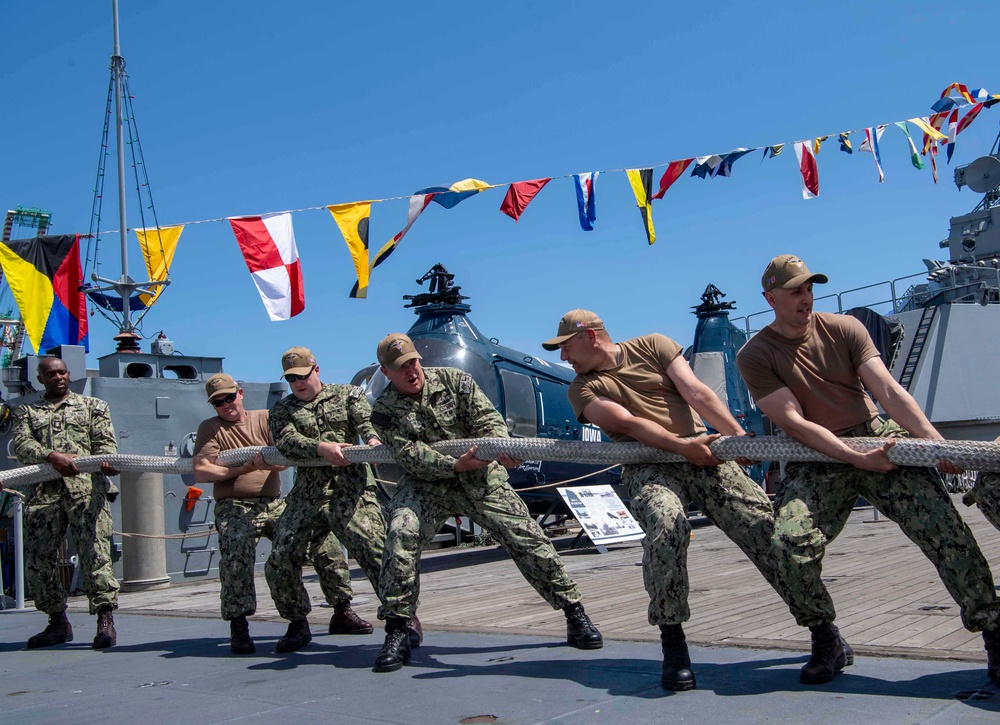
<point>814,374</point>
<point>416,409</point>
<point>319,420</point>
<point>643,390</point>
<point>248,506</point>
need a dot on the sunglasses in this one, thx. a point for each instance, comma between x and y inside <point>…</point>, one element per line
<point>219,402</point>
<point>292,378</point>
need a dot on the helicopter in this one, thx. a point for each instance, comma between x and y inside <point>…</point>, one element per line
<point>530,393</point>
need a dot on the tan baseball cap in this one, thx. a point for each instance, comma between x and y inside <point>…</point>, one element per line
<point>786,271</point>
<point>396,349</point>
<point>220,384</point>
<point>571,323</point>
<point>297,361</point>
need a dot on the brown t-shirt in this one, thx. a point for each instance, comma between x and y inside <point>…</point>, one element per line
<point>641,386</point>
<point>216,435</point>
<point>820,368</point>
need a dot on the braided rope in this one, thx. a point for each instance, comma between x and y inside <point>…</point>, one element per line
<point>971,455</point>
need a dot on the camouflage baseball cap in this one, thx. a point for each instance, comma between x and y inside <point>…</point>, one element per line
<point>571,323</point>
<point>220,384</point>
<point>786,271</point>
<point>298,361</point>
<point>396,349</point>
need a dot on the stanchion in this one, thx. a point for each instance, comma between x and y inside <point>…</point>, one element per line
<point>144,559</point>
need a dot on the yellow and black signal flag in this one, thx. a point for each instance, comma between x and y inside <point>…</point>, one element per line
<point>158,245</point>
<point>353,222</point>
<point>642,186</point>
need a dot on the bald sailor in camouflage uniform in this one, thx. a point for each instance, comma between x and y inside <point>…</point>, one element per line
<point>56,429</point>
<point>421,407</point>
<point>808,372</point>
<point>643,390</point>
<point>316,421</point>
<point>248,505</point>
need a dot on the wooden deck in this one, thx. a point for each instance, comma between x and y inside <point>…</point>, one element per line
<point>888,596</point>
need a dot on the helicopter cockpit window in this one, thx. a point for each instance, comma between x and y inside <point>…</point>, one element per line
<point>376,385</point>
<point>441,354</point>
<point>519,399</point>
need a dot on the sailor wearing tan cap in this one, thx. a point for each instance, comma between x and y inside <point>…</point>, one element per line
<point>248,505</point>
<point>316,421</point>
<point>644,390</point>
<point>424,406</point>
<point>808,372</point>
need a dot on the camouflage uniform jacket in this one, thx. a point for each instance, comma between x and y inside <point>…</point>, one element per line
<point>339,414</point>
<point>451,406</point>
<point>76,424</point>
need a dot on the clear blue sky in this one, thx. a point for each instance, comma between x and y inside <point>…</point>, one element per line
<point>254,107</point>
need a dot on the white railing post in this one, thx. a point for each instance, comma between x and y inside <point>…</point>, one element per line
<point>18,554</point>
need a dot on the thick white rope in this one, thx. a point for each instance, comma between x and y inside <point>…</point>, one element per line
<point>970,455</point>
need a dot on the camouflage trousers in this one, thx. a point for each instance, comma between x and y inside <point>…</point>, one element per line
<point>351,511</point>
<point>986,495</point>
<point>660,495</point>
<point>240,524</point>
<point>417,512</point>
<point>814,502</point>
<point>89,520</point>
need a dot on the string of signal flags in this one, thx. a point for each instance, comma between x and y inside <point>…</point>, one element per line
<point>267,242</point>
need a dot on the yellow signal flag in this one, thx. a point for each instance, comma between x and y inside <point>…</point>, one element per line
<point>353,221</point>
<point>158,245</point>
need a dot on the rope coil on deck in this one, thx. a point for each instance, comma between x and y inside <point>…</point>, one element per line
<point>971,455</point>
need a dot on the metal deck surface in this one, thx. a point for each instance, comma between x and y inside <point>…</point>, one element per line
<point>494,652</point>
<point>178,670</point>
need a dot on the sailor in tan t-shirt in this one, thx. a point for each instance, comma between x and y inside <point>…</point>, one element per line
<point>808,371</point>
<point>248,505</point>
<point>644,390</point>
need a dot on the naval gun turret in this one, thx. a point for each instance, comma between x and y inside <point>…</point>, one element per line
<point>713,359</point>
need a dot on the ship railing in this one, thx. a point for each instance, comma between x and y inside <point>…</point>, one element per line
<point>912,297</point>
<point>18,516</point>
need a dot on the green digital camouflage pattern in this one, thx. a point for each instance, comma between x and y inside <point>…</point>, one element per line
<point>76,424</point>
<point>659,498</point>
<point>814,501</point>
<point>81,425</point>
<point>339,414</point>
<point>452,406</point>
<point>986,495</point>
<point>240,524</point>
<point>341,499</point>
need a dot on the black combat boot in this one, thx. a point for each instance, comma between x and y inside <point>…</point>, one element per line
<point>239,637</point>
<point>829,655</point>
<point>992,640</point>
<point>106,634</point>
<point>346,621</point>
<point>416,632</point>
<point>296,637</point>
<point>58,631</point>
<point>677,674</point>
<point>580,631</point>
<point>396,649</point>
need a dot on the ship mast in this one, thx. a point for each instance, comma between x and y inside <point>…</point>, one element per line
<point>124,286</point>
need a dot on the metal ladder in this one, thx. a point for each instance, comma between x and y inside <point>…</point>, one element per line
<point>919,338</point>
